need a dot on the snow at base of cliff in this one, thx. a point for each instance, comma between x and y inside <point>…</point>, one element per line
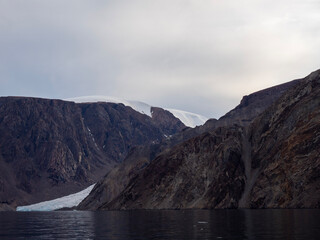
<point>189,119</point>
<point>63,202</point>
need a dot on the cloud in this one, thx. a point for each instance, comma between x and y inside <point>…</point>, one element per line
<point>200,56</point>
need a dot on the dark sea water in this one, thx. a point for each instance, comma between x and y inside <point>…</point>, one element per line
<point>189,224</point>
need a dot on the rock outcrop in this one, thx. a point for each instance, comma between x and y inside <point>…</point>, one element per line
<point>51,148</point>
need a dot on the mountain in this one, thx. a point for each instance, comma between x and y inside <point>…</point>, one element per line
<point>187,118</point>
<point>187,177</point>
<point>168,152</point>
<point>271,163</point>
<point>285,142</point>
<point>51,148</point>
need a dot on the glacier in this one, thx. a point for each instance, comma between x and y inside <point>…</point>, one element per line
<point>69,201</point>
<point>187,118</point>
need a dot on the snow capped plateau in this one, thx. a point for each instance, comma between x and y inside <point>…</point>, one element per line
<point>63,202</point>
<point>189,119</point>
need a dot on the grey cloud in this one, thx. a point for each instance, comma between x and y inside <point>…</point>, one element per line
<point>201,56</point>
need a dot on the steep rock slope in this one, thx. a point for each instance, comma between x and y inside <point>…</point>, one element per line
<point>116,128</point>
<point>51,148</point>
<point>286,150</point>
<point>273,164</point>
<point>250,107</point>
<point>118,178</point>
<point>203,172</point>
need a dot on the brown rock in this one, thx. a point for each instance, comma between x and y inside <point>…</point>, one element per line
<point>273,162</point>
<point>51,148</point>
<point>203,172</point>
<point>286,143</point>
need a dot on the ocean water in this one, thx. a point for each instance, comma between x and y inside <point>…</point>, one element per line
<point>162,224</point>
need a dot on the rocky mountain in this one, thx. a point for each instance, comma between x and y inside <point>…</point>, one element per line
<point>285,142</point>
<point>167,151</point>
<point>272,163</point>
<point>188,177</point>
<point>250,107</point>
<point>254,104</point>
<point>50,148</point>
<point>187,118</point>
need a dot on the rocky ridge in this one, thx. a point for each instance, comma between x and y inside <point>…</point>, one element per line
<point>51,148</point>
<point>117,180</point>
<point>285,150</point>
<point>272,163</point>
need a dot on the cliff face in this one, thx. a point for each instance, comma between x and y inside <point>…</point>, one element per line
<point>272,163</point>
<point>286,150</point>
<point>203,172</point>
<point>51,148</point>
<point>178,154</point>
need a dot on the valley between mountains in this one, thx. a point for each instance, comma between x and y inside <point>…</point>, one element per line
<point>265,153</point>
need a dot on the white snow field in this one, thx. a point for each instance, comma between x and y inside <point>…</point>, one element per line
<point>189,119</point>
<point>66,201</point>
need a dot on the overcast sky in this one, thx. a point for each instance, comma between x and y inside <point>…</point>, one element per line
<point>196,55</point>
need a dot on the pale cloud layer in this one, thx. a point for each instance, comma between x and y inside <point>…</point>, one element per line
<point>195,55</point>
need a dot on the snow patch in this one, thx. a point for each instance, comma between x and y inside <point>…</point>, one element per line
<point>66,201</point>
<point>187,118</point>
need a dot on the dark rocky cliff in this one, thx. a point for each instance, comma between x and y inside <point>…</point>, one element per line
<point>203,172</point>
<point>272,163</point>
<point>51,148</point>
<point>249,108</point>
<point>286,150</point>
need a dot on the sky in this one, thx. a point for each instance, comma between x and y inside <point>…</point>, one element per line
<point>200,56</point>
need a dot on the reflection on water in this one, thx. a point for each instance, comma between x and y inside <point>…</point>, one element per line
<point>188,224</point>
